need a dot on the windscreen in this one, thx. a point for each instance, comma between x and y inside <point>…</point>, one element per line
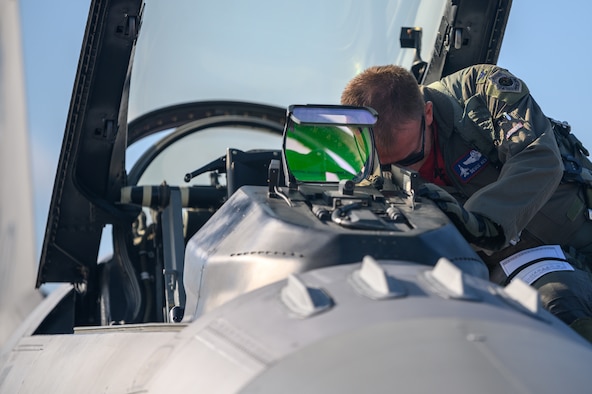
<point>268,51</point>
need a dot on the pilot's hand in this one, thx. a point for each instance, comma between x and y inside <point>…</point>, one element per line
<point>476,229</point>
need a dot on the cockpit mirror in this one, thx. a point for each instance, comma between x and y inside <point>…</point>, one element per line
<point>329,143</point>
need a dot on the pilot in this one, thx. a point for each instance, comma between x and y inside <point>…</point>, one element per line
<point>494,163</point>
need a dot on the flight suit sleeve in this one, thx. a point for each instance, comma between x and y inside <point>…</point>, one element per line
<point>501,106</point>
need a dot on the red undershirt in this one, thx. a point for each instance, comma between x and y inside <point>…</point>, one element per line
<point>433,169</point>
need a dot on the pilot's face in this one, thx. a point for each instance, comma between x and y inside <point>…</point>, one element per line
<point>411,141</point>
<point>408,144</point>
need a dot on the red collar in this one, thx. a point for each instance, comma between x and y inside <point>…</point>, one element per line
<point>433,169</point>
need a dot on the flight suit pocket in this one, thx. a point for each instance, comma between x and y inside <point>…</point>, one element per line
<point>561,216</point>
<point>477,112</point>
<point>478,128</point>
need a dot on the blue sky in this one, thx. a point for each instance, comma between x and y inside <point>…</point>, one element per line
<point>545,44</point>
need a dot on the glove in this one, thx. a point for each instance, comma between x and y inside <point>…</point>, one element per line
<point>476,229</point>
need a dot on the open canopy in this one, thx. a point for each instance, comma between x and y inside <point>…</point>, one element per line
<point>160,66</point>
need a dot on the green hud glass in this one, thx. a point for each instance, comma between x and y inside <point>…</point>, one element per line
<point>329,143</point>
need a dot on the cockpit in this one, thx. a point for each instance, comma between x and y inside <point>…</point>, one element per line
<point>192,122</point>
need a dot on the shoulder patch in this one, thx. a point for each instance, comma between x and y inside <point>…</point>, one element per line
<point>503,81</point>
<point>469,165</point>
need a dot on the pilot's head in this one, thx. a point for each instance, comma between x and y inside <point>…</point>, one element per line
<point>402,113</point>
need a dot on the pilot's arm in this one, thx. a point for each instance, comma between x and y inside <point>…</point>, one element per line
<point>532,166</point>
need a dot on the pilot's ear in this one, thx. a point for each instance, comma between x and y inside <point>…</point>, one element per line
<point>429,113</point>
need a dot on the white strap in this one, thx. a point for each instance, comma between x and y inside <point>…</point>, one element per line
<point>548,259</point>
<point>517,260</point>
<point>531,273</point>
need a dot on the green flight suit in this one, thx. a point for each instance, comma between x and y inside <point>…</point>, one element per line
<point>502,158</point>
